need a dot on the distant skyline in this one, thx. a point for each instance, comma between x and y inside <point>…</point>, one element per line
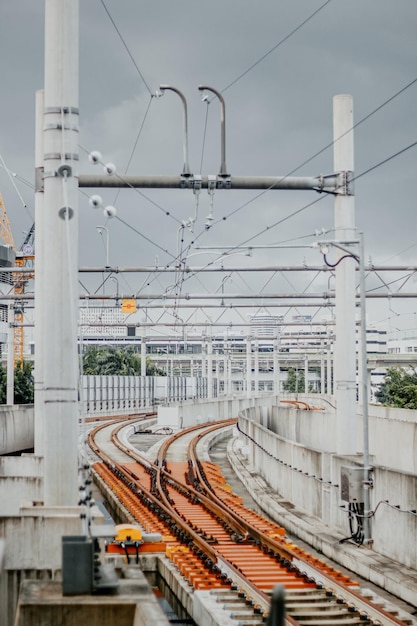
<point>278,66</point>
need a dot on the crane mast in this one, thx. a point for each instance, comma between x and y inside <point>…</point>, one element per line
<point>24,257</point>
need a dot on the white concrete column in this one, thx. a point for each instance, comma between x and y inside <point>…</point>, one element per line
<point>38,371</point>
<point>329,389</point>
<point>322,390</point>
<point>229,374</point>
<point>58,238</point>
<point>276,367</point>
<point>359,369</point>
<point>10,355</point>
<point>209,368</point>
<point>204,357</point>
<point>256,367</point>
<point>345,346</point>
<point>248,366</point>
<point>143,352</point>
<point>306,374</point>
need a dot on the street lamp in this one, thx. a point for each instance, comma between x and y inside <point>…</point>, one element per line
<point>367,482</point>
<point>100,230</point>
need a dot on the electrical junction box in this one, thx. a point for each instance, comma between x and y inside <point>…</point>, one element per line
<point>351,484</point>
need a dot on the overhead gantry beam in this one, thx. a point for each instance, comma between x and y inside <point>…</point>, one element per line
<point>332,183</point>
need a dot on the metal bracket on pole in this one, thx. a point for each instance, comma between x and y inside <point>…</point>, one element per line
<point>194,182</point>
<point>39,186</point>
<point>224,182</point>
<point>345,186</point>
<point>66,212</point>
<point>211,183</point>
<point>64,171</point>
<point>332,178</point>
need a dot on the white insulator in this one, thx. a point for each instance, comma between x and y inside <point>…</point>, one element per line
<point>94,157</point>
<point>110,211</point>
<point>96,201</point>
<point>110,169</point>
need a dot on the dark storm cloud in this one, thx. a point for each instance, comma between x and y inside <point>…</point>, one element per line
<point>278,115</point>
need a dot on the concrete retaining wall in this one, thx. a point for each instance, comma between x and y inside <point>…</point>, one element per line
<point>16,428</point>
<point>279,446</point>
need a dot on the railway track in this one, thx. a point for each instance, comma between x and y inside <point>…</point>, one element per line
<point>219,545</point>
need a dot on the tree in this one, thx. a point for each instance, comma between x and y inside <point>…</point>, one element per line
<point>116,361</point>
<point>294,382</point>
<point>398,389</point>
<point>23,383</point>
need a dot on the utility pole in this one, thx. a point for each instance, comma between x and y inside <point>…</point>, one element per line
<point>56,290</point>
<point>344,220</point>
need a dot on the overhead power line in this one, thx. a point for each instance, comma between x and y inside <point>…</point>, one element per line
<point>277,45</point>
<point>126,47</point>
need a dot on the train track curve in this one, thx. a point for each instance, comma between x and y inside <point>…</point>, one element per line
<point>218,544</point>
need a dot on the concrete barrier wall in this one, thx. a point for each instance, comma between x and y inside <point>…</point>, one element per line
<point>317,429</point>
<point>16,428</point>
<point>309,477</point>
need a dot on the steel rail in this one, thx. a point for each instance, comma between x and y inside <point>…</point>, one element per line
<point>362,605</point>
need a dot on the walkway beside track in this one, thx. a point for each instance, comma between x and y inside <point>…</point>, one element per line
<point>387,574</point>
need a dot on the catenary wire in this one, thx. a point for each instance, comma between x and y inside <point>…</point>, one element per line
<point>277,45</point>
<point>126,47</point>
<point>135,144</point>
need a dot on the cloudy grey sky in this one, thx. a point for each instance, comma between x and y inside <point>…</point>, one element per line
<point>278,71</point>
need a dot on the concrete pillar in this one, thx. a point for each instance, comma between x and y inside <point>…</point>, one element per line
<point>322,370</point>
<point>38,371</point>
<point>359,369</point>
<point>329,389</point>
<point>143,353</point>
<point>256,367</point>
<point>248,366</point>
<point>345,346</point>
<point>209,368</point>
<point>306,374</point>
<point>276,367</point>
<point>10,355</point>
<point>58,238</point>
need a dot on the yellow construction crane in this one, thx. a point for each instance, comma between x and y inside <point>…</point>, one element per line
<point>23,258</point>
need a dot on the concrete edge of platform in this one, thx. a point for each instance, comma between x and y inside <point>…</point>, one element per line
<point>383,572</point>
<point>41,601</point>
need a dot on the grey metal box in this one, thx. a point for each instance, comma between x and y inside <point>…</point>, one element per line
<point>351,484</point>
<point>77,565</point>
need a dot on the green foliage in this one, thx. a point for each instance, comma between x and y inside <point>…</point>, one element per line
<point>23,383</point>
<point>106,361</point>
<point>399,389</point>
<point>294,382</point>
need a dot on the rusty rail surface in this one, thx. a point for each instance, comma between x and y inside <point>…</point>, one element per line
<point>216,542</point>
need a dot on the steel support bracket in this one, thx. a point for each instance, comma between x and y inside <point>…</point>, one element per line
<point>224,181</point>
<point>211,183</point>
<point>64,171</point>
<point>191,181</point>
<point>345,186</point>
<point>39,186</point>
